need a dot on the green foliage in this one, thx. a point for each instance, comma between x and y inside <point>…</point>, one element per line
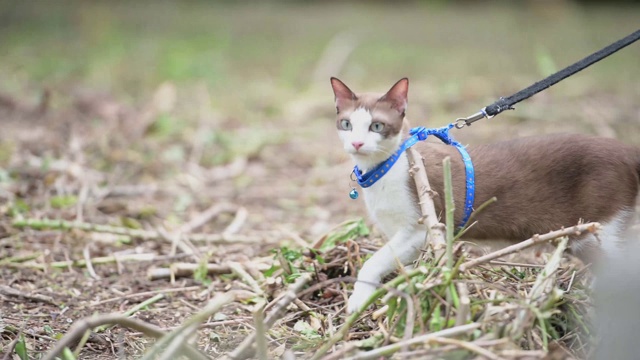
<point>290,262</point>
<point>372,342</point>
<point>130,222</point>
<point>293,262</point>
<point>21,349</point>
<point>201,272</point>
<point>305,329</point>
<point>517,273</point>
<point>437,321</point>
<point>349,230</point>
<point>18,207</point>
<point>67,354</point>
<point>63,201</point>
<point>165,126</point>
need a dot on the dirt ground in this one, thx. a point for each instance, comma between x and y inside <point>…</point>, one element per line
<point>250,160</point>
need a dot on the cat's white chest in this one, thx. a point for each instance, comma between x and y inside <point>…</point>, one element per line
<point>389,201</point>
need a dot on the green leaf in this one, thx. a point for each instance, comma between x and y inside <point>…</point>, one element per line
<point>269,272</point>
<point>291,255</point>
<point>63,201</point>
<point>201,272</point>
<point>291,278</point>
<point>349,230</point>
<point>393,306</point>
<point>48,329</point>
<point>67,354</point>
<point>21,349</point>
<point>371,342</point>
<point>19,206</point>
<point>130,223</point>
<point>164,126</point>
<point>306,330</point>
<point>437,321</point>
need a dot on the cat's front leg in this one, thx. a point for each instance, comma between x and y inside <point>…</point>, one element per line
<point>403,248</point>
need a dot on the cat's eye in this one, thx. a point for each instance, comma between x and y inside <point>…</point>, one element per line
<point>345,124</point>
<point>376,127</point>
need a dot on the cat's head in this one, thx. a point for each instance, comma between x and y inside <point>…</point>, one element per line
<point>370,125</point>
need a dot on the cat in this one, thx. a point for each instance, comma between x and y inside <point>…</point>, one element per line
<point>542,183</point>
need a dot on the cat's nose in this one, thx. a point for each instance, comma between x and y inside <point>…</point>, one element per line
<point>357,145</point>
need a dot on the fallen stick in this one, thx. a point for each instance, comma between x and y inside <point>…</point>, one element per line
<point>541,292</point>
<point>83,325</point>
<point>393,348</point>
<point>246,349</point>
<point>435,229</point>
<point>41,224</point>
<point>187,269</point>
<point>20,259</point>
<point>13,293</point>
<point>168,347</point>
<point>83,262</point>
<point>464,309</point>
<point>239,271</point>
<point>146,293</point>
<point>450,209</point>
<point>482,352</point>
<point>261,332</point>
<point>238,220</point>
<point>134,309</point>
<point>536,239</point>
<point>206,216</point>
<point>88,264</point>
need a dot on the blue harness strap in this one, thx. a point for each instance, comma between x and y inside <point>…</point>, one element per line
<point>420,134</point>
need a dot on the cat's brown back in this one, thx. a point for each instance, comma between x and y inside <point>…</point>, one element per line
<point>542,183</point>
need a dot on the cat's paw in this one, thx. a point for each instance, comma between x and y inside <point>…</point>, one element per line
<point>358,298</point>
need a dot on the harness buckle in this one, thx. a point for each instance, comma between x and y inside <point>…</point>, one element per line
<point>462,122</point>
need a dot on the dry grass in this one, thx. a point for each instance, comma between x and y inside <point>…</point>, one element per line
<point>185,178</point>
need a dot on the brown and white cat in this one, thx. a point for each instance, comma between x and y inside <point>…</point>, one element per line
<point>542,184</point>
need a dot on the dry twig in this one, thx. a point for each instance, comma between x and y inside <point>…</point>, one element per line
<point>541,292</point>
<point>390,349</point>
<point>146,293</point>
<point>83,325</point>
<point>223,238</point>
<point>13,293</point>
<point>174,340</point>
<point>206,216</point>
<point>177,270</point>
<point>536,239</point>
<point>469,346</point>
<point>435,229</point>
<point>245,349</point>
<point>82,263</point>
<point>465,304</point>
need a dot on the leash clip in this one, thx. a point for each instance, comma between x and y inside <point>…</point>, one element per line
<point>462,122</point>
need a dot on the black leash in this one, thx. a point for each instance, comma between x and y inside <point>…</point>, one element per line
<point>507,103</point>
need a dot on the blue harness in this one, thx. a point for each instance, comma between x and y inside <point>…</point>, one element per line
<point>420,134</point>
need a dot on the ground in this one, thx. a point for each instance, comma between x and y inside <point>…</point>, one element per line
<point>151,117</point>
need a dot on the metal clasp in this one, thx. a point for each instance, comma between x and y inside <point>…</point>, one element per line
<point>462,122</point>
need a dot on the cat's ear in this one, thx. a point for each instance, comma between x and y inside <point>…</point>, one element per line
<point>397,95</point>
<point>342,93</point>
